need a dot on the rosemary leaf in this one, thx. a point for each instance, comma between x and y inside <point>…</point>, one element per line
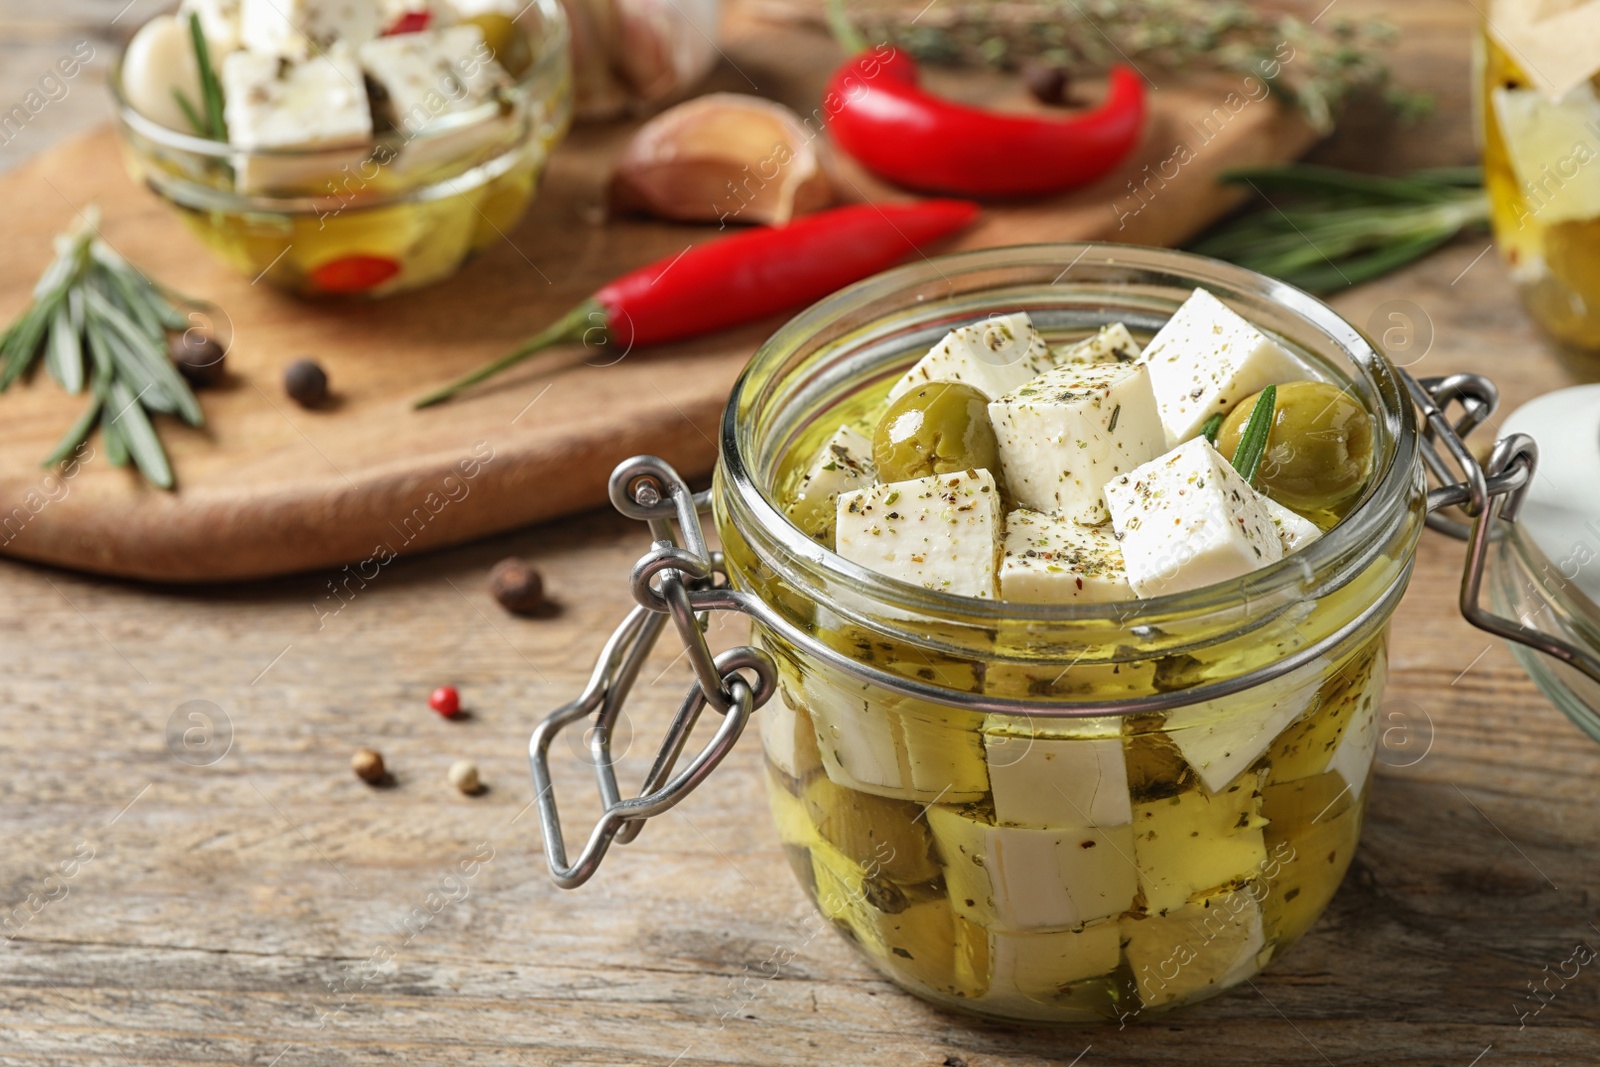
<point>116,447</point>
<point>145,360</point>
<point>1253,441</point>
<point>143,444</point>
<point>1211,427</point>
<point>79,431</point>
<point>64,356</point>
<point>210,88</point>
<point>190,113</point>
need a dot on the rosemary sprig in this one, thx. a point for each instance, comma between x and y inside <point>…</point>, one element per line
<point>1253,441</point>
<point>1211,427</point>
<point>1316,65</point>
<point>1324,229</point>
<point>207,119</point>
<point>96,320</point>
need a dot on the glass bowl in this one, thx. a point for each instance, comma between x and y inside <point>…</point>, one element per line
<point>375,219</point>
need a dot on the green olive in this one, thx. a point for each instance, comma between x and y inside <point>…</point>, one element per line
<point>506,42</point>
<point>1319,452</point>
<point>940,428</point>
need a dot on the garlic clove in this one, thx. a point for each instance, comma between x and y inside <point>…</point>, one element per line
<point>159,60</point>
<point>724,157</point>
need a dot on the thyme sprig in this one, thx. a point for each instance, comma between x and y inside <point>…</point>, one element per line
<point>98,323</point>
<point>1315,64</point>
<point>1325,229</point>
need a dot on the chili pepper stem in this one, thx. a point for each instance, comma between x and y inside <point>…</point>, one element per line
<point>843,31</point>
<point>571,328</point>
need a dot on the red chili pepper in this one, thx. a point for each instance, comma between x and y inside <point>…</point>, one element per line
<point>918,140</point>
<point>741,278</point>
<point>353,274</point>
<point>410,22</point>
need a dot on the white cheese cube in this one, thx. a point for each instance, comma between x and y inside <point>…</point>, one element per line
<point>1057,561</point>
<point>1187,519</point>
<point>1191,843</point>
<point>1055,782</point>
<point>299,28</point>
<point>1112,344</point>
<point>1037,965</point>
<point>317,105</point>
<point>1294,531</point>
<point>1197,950</point>
<point>993,356</point>
<point>219,24</point>
<point>1220,738</point>
<point>856,737</point>
<point>158,63</point>
<point>844,464</point>
<point>941,532</point>
<point>1353,758</point>
<point>787,736</point>
<point>1550,147</point>
<point>425,76</point>
<point>1024,879</point>
<point>1066,433</point>
<point>1206,359</point>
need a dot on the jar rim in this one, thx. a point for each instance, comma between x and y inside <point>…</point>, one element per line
<point>1347,547</point>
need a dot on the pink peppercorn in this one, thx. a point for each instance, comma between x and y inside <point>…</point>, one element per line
<point>446,701</point>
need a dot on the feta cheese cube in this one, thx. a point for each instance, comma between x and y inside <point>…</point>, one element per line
<point>427,75</point>
<point>1353,758</point>
<point>941,532</point>
<point>1045,780</point>
<point>1191,843</point>
<point>1057,561</point>
<point>1112,344</point>
<point>317,105</point>
<point>1220,738</point>
<point>1295,532</point>
<point>1187,519</point>
<point>993,356</point>
<point>1311,837</point>
<point>1197,950</point>
<point>1549,146</point>
<point>1037,965</point>
<point>844,464</point>
<point>219,24</point>
<point>1066,433</point>
<point>787,736</point>
<point>300,28</point>
<point>1206,359</point>
<point>1017,879</point>
<point>891,747</point>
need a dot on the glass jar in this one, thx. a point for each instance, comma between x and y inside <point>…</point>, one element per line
<point>1541,171</point>
<point>402,212</point>
<point>1036,813</point>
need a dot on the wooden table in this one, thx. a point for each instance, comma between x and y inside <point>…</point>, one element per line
<point>259,905</point>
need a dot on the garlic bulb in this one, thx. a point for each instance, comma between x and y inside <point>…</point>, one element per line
<point>724,157</point>
<point>628,54</point>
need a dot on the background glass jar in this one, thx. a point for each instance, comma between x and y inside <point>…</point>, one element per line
<point>402,212</point>
<point>1062,813</point>
<point>1541,170</point>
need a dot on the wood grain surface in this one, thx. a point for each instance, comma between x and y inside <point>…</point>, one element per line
<point>268,488</point>
<point>258,905</point>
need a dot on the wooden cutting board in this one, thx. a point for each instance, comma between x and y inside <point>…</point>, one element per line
<point>269,488</point>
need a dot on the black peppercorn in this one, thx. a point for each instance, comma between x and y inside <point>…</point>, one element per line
<point>517,586</point>
<point>1049,84</point>
<point>198,358</point>
<point>306,383</point>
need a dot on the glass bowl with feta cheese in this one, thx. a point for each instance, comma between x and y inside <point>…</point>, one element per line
<point>339,148</point>
<point>1070,571</point>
